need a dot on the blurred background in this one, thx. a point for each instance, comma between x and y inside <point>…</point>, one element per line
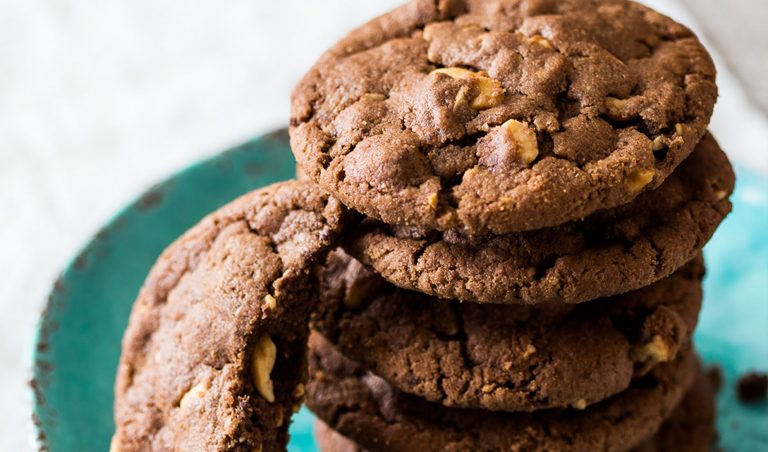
<point>100,99</point>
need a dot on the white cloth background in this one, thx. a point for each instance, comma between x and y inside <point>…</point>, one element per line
<point>99,99</point>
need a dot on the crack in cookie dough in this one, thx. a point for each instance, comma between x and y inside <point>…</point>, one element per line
<point>216,342</point>
<point>405,118</point>
<point>511,358</point>
<point>609,252</point>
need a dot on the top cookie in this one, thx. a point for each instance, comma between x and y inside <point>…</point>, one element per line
<point>214,357</point>
<point>498,116</point>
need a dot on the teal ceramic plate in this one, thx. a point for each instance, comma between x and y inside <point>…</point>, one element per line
<point>78,341</point>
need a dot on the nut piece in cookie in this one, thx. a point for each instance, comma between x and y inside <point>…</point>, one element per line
<point>263,361</point>
<point>638,179</point>
<point>511,145</point>
<point>655,351</point>
<point>489,92</point>
<point>195,394</point>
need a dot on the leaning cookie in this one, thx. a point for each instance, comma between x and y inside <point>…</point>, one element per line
<point>501,116</point>
<point>214,357</point>
<point>609,252</point>
<point>367,410</point>
<point>497,357</point>
<point>690,427</point>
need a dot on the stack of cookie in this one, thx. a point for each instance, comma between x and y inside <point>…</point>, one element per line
<point>535,184</point>
<point>520,190</point>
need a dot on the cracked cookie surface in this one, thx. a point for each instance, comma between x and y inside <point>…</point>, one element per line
<point>500,116</point>
<point>214,357</point>
<point>364,408</point>
<point>500,357</point>
<point>609,252</point>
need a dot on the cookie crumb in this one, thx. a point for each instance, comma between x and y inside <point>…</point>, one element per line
<point>432,201</point>
<point>270,302</point>
<point>752,387</point>
<point>530,349</point>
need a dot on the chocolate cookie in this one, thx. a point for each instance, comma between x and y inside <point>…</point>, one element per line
<point>498,116</point>
<point>609,252</point>
<point>690,427</point>
<point>214,357</point>
<point>497,357</point>
<point>367,410</point>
